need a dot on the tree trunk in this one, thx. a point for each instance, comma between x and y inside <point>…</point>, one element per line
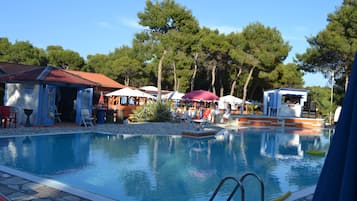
<point>233,86</point>
<point>194,71</point>
<point>221,87</point>
<point>159,75</point>
<point>213,77</point>
<point>245,89</point>
<point>347,80</point>
<point>126,81</point>
<point>175,76</point>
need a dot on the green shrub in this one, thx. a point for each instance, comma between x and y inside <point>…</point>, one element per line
<point>153,112</point>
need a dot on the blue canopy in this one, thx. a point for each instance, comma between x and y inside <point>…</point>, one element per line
<point>338,179</point>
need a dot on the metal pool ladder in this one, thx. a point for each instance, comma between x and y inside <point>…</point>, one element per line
<point>239,184</point>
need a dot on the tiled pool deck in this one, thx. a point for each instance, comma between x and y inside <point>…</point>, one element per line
<point>18,187</point>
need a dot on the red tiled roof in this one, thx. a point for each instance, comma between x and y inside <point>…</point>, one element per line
<point>47,75</point>
<point>9,68</point>
<point>100,79</point>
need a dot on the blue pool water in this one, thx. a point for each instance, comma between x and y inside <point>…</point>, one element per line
<point>172,168</point>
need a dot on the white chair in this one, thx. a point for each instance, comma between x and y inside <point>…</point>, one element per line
<point>226,117</point>
<point>55,114</point>
<point>86,117</point>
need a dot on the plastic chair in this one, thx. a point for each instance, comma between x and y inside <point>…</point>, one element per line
<point>8,116</point>
<point>4,197</point>
<point>55,115</point>
<point>86,118</point>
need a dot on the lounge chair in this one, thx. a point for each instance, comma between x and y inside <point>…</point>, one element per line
<point>86,117</point>
<point>55,115</point>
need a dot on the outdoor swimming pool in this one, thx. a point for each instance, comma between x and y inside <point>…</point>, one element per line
<point>173,168</point>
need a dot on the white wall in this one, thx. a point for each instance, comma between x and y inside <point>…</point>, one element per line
<point>22,96</point>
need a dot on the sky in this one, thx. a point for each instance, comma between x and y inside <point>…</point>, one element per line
<point>90,27</point>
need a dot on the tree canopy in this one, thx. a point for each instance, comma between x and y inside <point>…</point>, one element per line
<point>333,49</point>
<point>174,52</point>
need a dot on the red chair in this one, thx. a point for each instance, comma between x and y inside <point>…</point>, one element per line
<point>3,197</point>
<point>206,113</point>
<point>8,116</point>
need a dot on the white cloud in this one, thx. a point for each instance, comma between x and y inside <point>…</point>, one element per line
<point>105,25</point>
<point>130,23</point>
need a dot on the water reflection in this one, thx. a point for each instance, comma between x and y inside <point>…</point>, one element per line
<point>281,146</point>
<point>170,167</point>
<point>45,155</point>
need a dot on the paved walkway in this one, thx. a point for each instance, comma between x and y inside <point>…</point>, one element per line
<point>17,188</point>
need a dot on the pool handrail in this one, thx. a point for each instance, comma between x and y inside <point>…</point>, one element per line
<point>262,189</point>
<point>238,185</point>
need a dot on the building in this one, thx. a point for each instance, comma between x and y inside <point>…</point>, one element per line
<point>284,102</point>
<point>47,90</point>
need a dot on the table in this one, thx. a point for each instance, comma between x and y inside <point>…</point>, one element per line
<point>200,123</point>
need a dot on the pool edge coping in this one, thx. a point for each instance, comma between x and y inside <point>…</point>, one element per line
<point>55,184</point>
<point>302,193</point>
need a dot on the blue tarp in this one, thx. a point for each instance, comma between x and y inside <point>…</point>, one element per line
<point>338,179</point>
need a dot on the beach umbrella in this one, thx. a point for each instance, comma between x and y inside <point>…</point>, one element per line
<point>144,94</point>
<point>200,95</point>
<point>101,99</point>
<point>338,178</point>
<point>149,88</point>
<point>232,100</point>
<point>123,92</point>
<point>131,93</point>
<point>173,95</point>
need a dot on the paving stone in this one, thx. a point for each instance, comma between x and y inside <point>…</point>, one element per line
<point>31,186</point>
<point>42,199</point>
<point>15,187</point>
<point>16,181</point>
<point>17,196</point>
<point>71,198</point>
<point>4,189</point>
<point>46,192</point>
<point>29,192</point>
<point>28,198</point>
<point>4,175</point>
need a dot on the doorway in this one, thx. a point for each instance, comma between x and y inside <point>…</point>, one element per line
<point>65,101</point>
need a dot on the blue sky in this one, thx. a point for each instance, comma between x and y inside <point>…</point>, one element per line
<point>90,27</point>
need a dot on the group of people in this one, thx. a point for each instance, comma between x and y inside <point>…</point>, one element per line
<point>211,113</point>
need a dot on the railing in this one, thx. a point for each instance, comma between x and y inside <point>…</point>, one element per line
<point>239,184</point>
<point>242,178</point>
